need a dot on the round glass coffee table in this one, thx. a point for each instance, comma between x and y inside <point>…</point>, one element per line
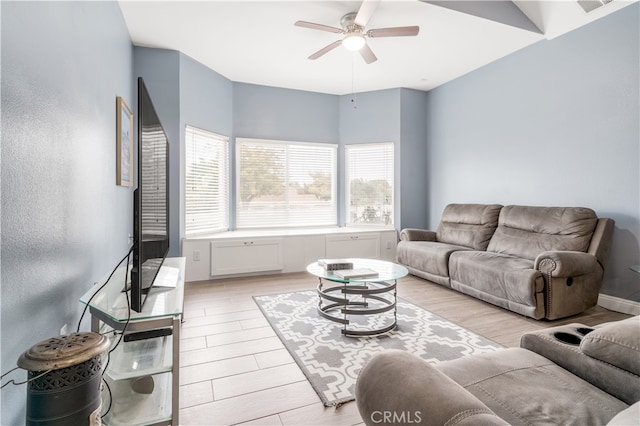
<point>360,304</point>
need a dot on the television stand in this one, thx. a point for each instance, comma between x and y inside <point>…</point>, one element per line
<point>150,348</point>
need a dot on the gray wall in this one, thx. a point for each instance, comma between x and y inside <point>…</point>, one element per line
<point>553,124</point>
<point>285,114</point>
<point>64,221</point>
<point>373,117</point>
<point>411,167</point>
<point>206,102</point>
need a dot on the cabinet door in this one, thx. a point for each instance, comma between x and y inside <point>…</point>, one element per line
<point>243,256</point>
<point>365,245</point>
<point>299,251</point>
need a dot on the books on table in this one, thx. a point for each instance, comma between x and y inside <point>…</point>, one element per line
<point>352,274</point>
<point>335,264</point>
<point>343,268</point>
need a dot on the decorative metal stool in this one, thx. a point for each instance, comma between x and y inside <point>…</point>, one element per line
<point>64,380</point>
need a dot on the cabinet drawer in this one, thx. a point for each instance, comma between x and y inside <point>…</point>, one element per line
<point>353,245</point>
<point>247,255</point>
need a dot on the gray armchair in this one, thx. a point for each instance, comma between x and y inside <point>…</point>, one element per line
<point>569,375</point>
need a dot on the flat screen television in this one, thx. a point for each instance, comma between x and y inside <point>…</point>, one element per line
<point>150,200</point>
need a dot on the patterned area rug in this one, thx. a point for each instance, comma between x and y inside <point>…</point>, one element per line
<point>332,361</point>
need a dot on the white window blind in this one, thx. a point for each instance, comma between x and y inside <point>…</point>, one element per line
<point>369,180</point>
<point>285,184</point>
<point>206,182</point>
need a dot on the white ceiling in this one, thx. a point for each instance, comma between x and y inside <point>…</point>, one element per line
<point>257,42</point>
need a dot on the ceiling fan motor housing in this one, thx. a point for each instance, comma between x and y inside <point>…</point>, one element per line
<point>348,23</point>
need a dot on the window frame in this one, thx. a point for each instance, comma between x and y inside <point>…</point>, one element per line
<point>390,175</point>
<point>241,224</point>
<point>223,195</point>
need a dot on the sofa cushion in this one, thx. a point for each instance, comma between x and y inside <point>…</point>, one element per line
<point>505,277</point>
<point>468,225</point>
<point>525,231</point>
<point>427,256</point>
<point>616,343</point>
<point>525,388</point>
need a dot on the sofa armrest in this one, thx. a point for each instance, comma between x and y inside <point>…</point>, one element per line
<point>616,343</point>
<point>398,388</point>
<point>601,241</point>
<point>414,234</point>
<point>611,369</point>
<point>565,263</point>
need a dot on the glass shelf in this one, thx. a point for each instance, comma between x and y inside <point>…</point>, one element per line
<point>141,358</point>
<point>156,358</point>
<point>132,408</point>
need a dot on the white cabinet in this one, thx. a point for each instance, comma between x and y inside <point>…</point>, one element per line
<point>239,253</point>
<point>299,251</point>
<point>353,245</point>
<point>246,255</point>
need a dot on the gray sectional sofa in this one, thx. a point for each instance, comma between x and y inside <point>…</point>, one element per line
<point>542,262</point>
<point>567,375</point>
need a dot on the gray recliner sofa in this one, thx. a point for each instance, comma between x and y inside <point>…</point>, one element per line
<point>567,375</point>
<point>542,262</point>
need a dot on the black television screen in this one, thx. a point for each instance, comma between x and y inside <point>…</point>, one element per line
<point>150,200</point>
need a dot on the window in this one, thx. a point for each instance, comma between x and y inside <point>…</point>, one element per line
<point>285,184</point>
<point>369,180</point>
<point>206,182</point>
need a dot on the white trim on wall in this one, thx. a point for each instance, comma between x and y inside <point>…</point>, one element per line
<point>619,305</point>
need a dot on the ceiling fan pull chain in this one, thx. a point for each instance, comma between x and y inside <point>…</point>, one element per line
<point>354,100</point>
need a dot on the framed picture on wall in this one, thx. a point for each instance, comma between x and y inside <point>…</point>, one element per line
<point>124,143</point>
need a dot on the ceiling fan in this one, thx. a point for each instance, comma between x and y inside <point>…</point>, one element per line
<point>353,27</point>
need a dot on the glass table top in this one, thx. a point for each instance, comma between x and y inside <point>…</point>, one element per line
<point>387,271</point>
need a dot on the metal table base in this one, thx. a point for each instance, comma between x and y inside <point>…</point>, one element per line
<point>352,299</point>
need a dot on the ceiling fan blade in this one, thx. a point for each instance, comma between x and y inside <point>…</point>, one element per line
<point>318,27</point>
<point>367,54</point>
<point>394,32</point>
<point>326,49</point>
<point>366,10</point>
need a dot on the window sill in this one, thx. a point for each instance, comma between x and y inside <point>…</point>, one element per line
<point>255,233</point>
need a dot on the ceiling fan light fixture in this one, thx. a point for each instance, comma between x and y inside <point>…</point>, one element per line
<point>353,42</point>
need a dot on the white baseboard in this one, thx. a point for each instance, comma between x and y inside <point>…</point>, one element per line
<point>619,305</point>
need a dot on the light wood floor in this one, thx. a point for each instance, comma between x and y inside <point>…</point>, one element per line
<point>235,370</point>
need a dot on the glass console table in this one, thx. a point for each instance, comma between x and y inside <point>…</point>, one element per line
<point>354,298</point>
<point>156,360</point>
